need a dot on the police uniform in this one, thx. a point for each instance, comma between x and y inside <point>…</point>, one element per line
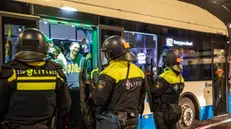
<point>120,91</point>
<point>166,91</point>
<point>32,90</point>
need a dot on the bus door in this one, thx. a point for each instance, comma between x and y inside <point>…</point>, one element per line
<point>219,77</point>
<point>12,24</point>
<point>104,33</point>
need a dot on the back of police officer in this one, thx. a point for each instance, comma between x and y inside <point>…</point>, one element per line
<point>120,91</point>
<point>31,89</point>
<point>166,90</point>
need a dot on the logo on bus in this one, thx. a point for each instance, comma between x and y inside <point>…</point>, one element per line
<point>171,43</point>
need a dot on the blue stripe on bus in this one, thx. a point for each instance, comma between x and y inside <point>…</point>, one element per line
<point>146,122</point>
<point>229,104</point>
<point>206,112</point>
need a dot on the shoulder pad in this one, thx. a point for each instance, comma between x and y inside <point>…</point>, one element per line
<point>166,72</point>
<point>61,74</point>
<point>51,65</point>
<point>14,64</point>
<point>161,80</point>
<point>4,74</point>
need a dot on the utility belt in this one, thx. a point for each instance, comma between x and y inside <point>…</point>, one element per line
<point>44,125</point>
<point>115,120</point>
<point>127,118</point>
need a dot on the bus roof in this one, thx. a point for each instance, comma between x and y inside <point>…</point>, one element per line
<point>169,13</point>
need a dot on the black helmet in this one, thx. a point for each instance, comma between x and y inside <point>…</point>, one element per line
<point>31,45</point>
<point>116,47</point>
<point>172,59</point>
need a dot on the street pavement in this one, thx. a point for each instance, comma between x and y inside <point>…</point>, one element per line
<point>219,122</point>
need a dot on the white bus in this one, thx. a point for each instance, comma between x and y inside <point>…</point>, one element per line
<point>148,25</point>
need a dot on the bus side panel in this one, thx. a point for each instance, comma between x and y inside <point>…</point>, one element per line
<point>202,90</point>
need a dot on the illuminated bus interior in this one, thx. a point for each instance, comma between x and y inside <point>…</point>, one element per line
<point>63,33</point>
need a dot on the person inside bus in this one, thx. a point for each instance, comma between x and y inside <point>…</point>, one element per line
<point>55,53</point>
<point>166,90</point>
<point>218,83</point>
<point>76,78</point>
<point>85,51</point>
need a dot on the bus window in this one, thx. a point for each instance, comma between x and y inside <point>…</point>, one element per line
<point>11,33</point>
<point>196,60</point>
<point>44,26</point>
<point>144,47</point>
<point>11,28</point>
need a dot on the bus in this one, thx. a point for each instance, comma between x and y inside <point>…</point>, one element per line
<point>148,25</point>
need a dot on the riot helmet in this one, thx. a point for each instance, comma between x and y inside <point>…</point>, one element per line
<point>115,47</point>
<point>172,59</point>
<point>31,46</point>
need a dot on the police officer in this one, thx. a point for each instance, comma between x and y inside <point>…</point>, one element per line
<point>166,90</point>
<point>120,91</point>
<point>32,89</point>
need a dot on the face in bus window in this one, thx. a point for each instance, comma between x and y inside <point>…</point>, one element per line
<point>74,48</point>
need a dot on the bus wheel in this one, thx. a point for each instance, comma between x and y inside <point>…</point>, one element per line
<point>188,114</point>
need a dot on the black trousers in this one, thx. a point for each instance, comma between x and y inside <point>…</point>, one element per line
<point>160,121</point>
<point>18,126</point>
<point>75,118</point>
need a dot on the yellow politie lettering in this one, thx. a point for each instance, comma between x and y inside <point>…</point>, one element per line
<point>29,72</point>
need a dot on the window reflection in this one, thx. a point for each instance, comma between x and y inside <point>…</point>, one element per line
<point>196,61</point>
<point>144,47</point>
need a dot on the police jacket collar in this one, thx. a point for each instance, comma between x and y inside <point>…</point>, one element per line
<point>125,62</point>
<point>37,63</point>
